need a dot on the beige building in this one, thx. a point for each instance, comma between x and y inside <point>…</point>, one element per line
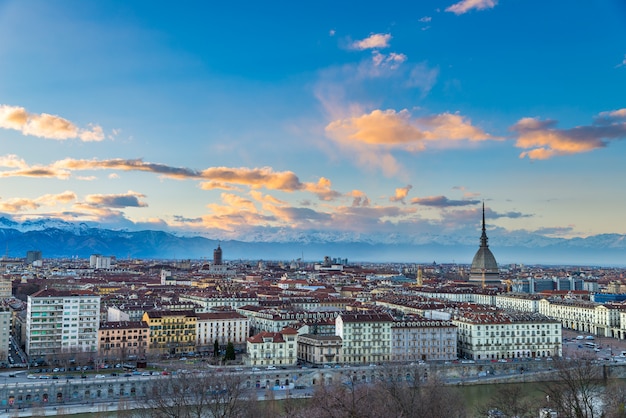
<point>366,337</point>
<point>418,338</point>
<point>273,348</point>
<point>123,340</point>
<point>319,349</point>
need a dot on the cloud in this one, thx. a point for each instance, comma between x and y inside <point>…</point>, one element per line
<point>425,19</point>
<point>211,178</point>
<point>129,199</point>
<point>18,205</point>
<point>370,137</point>
<point>441,202</point>
<point>543,140</point>
<point>45,125</point>
<point>401,194</point>
<point>359,198</point>
<point>377,40</point>
<point>465,6</point>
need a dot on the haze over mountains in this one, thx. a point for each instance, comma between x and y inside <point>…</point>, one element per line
<point>56,238</point>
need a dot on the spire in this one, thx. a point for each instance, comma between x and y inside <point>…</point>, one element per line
<point>483,236</point>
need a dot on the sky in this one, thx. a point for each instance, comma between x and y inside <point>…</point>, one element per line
<point>275,120</point>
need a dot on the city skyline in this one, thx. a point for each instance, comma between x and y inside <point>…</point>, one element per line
<point>269,122</point>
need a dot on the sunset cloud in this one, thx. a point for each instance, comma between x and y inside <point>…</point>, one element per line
<point>441,202</point>
<point>45,125</point>
<point>543,140</point>
<point>371,137</point>
<point>211,178</point>
<point>129,199</point>
<point>465,6</point>
<point>401,194</point>
<point>377,40</point>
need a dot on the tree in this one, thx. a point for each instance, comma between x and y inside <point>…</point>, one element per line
<point>577,389</point>
<point>230,352</point>
<point>614,399</point>
<point>216,349</point>
<point>218,395</point>
<point>511,401</point>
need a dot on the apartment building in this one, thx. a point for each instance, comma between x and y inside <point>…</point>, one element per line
<point>123,339</point>
<point>366,336</point>
<point>494,334</point>
<point>223,327</point>
<point>417,338</point>
<point>319,349</point>
<point>273,348</point>
<point>171,332</point>
<point>62,322</point>
<point>583,316</point>
<point>5,332</point>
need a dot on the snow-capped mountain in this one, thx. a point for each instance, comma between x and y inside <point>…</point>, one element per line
<point>56,238</point>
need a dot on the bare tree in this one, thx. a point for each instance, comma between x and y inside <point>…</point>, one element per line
<point>614,399</point>
<point>511,400</point>
<point>577,389</point>
<point>218,395</point>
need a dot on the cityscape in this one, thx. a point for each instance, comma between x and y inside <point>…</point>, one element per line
<point>289,326</point>
<point>313,209</point>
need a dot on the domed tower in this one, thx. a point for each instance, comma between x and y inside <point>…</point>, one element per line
<point>484,268</point>
<point>217,256</point>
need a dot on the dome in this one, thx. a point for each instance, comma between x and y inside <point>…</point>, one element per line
<point>484,266</point>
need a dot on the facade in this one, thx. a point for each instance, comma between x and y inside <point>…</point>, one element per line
<point>171,332</point>
<point>6,287</point>
<point>492,335</point>
<point>123,340</point>
<point>223,327</point>
<point>583,316</point>
<point>62,322</point>
<point>319,349</point>
<point>273,348</point>
<point>418,338</point>
<point>366,337</point>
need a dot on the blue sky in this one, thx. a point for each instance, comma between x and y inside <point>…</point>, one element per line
<point>273,120</point>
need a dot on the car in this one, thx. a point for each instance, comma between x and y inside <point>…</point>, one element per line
<point>69,376</point>
<point>55,377</point>
<point>12,375</point>
<point>127,374</point>
<point>183,359</point>
<point>255,369</point>
<point>165,373</point>
<point>271,368</point>
<point>146,374</point>
<point>31,376</point>
<point>99,376</point>
<point>56,370</point>
<point>44,376</point>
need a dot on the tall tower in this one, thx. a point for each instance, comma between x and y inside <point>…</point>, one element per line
<point>217,256</point>
<point>484,268</point>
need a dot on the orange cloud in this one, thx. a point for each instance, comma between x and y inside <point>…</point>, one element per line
<point>465,6</point>
<point>377,40</point>
<point>371,136</point>
<point>401,194</point>
<point>543,140</point>
<point>216,177</point>
<point>45,125</point>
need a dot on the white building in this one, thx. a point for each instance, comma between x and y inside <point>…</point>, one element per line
<point>366,337</point>
<point>5,333</point>
<point>62,322</point>
<point>273,348</point>
<point>418,338</point>
<point>494,334</point>
<point>223,327</point>
<point>583,316</point>
<point>97,261</point>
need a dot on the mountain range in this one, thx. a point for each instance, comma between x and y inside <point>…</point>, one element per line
<point>59,239</point>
